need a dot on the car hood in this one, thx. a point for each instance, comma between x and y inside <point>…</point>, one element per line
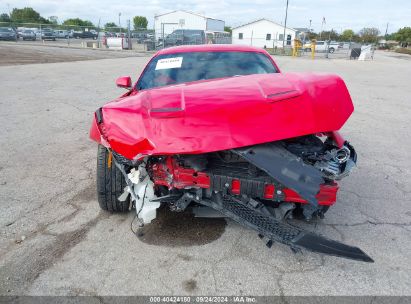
<point>223,114</point>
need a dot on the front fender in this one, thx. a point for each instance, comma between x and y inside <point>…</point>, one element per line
<point>96,134</point>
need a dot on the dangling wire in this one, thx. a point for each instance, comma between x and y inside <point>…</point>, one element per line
<point>131,225</point>
<point>144,199</point>
<point>138,213</point>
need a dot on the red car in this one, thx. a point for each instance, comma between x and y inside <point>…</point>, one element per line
<point>220,130</point>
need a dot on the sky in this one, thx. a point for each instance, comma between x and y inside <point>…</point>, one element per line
<point>338,14</point>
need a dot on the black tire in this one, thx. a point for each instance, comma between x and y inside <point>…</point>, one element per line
<point>110,183</point>
<point>332,50</point>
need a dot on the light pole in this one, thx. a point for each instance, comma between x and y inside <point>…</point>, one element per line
<point>285,24</point>
<point>119,23</point>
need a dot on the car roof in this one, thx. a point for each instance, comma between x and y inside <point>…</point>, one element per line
<point>210,48</point>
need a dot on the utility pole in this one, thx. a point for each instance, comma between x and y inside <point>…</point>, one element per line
<point>386,31</point>
<point>322,27</point>
<point>307,37</point>
<point>98,33</point>
<point>8,7</point>
<point>129,34</point>
<point>285,24</point>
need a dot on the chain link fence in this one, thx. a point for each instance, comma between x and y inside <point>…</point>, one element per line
<point>79,36</point>
<point>191,37</point>
<point>149,40</point>
<point>326,49</point>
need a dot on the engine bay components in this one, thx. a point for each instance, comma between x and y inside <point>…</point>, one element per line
<point>260,186</point>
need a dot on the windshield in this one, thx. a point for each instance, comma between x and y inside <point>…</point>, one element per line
<point>187,67</point>
<point>5,30</point>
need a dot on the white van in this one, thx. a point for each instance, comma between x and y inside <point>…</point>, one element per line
<point>322,46</point>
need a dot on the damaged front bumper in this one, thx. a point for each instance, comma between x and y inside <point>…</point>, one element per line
<point>255,216</point>
<point>255,186</point>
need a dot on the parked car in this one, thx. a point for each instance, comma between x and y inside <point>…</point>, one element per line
<point>48,34</point>
<point>85,35</point>
<point>184,37</point>
<point>7,33</point>
<point>38,33</point>
<point>336,45</point>
<point>219,130</point>
<point>19,32</point>
<point>61,34</point>
<point>322,46</point>
<point>28,35</point>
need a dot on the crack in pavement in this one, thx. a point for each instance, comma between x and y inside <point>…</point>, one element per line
<point>41,227</point>
<point>368,222</point>
<point>21,273</point>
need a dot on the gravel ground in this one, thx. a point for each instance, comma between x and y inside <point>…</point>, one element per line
<point>55,240</point>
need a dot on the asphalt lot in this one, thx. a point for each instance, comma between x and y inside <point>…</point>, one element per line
<point>55,240</point>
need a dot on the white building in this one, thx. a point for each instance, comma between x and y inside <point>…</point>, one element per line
<point>262,33</point>
<point>180,19</point>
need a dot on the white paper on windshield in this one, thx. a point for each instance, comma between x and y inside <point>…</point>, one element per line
<point>169,63</point>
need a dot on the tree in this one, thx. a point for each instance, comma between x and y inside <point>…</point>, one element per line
<point>26,15</point>
<point>329,35</point>
<point>140,22</point>
<point>112,27</point>
<point>228,29</point>
<point>53,19</point>
<point>369,34</point>
<point>110,24</point>
<point>77,22</point>
<point>312,35</point>
<point>347,35</point>
<point>403,35</point>
<point>4,18</point>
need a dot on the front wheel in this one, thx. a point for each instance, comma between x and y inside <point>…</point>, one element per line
<point>332,50</point>
<point>110,183</point>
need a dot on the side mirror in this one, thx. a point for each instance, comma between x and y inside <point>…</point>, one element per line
<point>124,82</point>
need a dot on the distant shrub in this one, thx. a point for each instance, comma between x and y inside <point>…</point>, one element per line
<point>403,51</point>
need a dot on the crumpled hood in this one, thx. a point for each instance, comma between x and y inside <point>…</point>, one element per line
<point>223,114</point>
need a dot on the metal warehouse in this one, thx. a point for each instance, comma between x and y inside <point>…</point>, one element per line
<point>165,24</point>
<point>263,33</point>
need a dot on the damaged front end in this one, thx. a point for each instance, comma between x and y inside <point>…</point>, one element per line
<point>256,148</point>
<point>261,186</point>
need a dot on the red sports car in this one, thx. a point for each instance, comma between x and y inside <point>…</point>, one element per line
<point>220,130</point>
